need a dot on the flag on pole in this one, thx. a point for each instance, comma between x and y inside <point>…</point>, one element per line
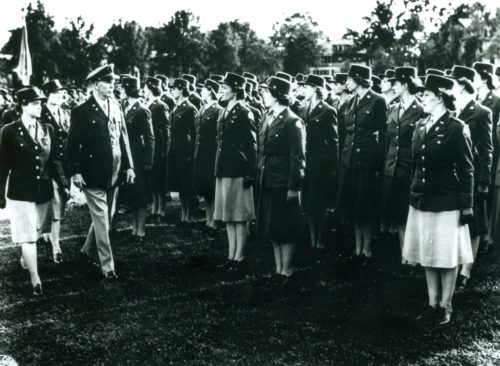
<point>24,67</point>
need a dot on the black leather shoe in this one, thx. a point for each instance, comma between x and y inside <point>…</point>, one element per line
<point>139,239</point>
<point>227,265</point>
<point>443,316</point>
<point>58,258</point>
<point>37,290</point>
<point>428,315</point>
<point>110,275</point>
<point>85,261</point>
<point>462,281</point>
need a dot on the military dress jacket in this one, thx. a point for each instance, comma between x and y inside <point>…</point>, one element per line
<point>236,143</point>
<point>281,156</point>
<point>168,100</point>
<point>398,160</point>
<point>443,175</point>
<point>321,138</point>
<point>161,126</point>
<point>182,130</point>
<point>31,163</point>
<point>195,100</point>
<point>366,127</point>
<point>478,118</point>
<point>206,133</point>
<point>141,135</point>
<point>61,129</point>
<point>91,138</point>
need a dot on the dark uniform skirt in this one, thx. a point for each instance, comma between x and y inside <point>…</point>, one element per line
<point>278,220</point>
<point>318,188</point>
<point>204,178</point>
<point>479,224</point>
<point>395,200</point>
<point>179,174</point>
<point>358,194</point>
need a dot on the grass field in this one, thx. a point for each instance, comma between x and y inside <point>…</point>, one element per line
<point>171,306</point>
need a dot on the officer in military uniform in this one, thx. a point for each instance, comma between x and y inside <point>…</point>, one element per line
<point>99,154</point>
<point>386,87</point>
<point>401,121</point>
<point>487,97</point>
<point>161,126</point>
<point>478,119</point>
<point>318,191</point>
<point>441,199</point>
<point>344,95</point>
<point>281,162</point>
<point>53,114</point>
<point>206,148</point>
<point>181,149</point>
<point>29,158</point>
<point>165,96</point>
<point>360,175</point>
<point>193,98</point>
<point>235,165</point>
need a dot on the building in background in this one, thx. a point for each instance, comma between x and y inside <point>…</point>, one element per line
<point>338,55</point>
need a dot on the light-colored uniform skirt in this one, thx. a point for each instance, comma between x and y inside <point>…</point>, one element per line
<point>436,239</point>
<point>233,203</point>
<point>29,220</point>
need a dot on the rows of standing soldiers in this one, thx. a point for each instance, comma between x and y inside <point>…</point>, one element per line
<point>347,150</point>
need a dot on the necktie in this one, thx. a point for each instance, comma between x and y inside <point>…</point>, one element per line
<point>32,131</point>
<point>356,101</point>
<point>401,110</point>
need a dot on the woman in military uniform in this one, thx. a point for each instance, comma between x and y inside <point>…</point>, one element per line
<point>142,143</point>
<point>29,157</point>
<point>340,89</point>
<point>180,149</point>
<point>478,119</point>
<point>161,128</point>
<point>488,98</point>
<point>401,121</point>
<point>280,167</point>
<point>58,118</point>
<point>320,121</point>
<point>206,148</point>
<point>362,161</point>
<point>235,165</point>
<point>441,198</point>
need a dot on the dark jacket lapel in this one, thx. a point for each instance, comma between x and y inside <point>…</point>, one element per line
<point>467,111</point>
<point>97,107</point>
<point>132,111</point>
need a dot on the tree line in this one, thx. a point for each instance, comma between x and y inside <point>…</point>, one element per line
<point>418,33</point>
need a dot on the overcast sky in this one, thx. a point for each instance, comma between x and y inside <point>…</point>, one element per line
<point>332,16</point>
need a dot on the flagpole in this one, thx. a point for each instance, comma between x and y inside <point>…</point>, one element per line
<point>24,68</point>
